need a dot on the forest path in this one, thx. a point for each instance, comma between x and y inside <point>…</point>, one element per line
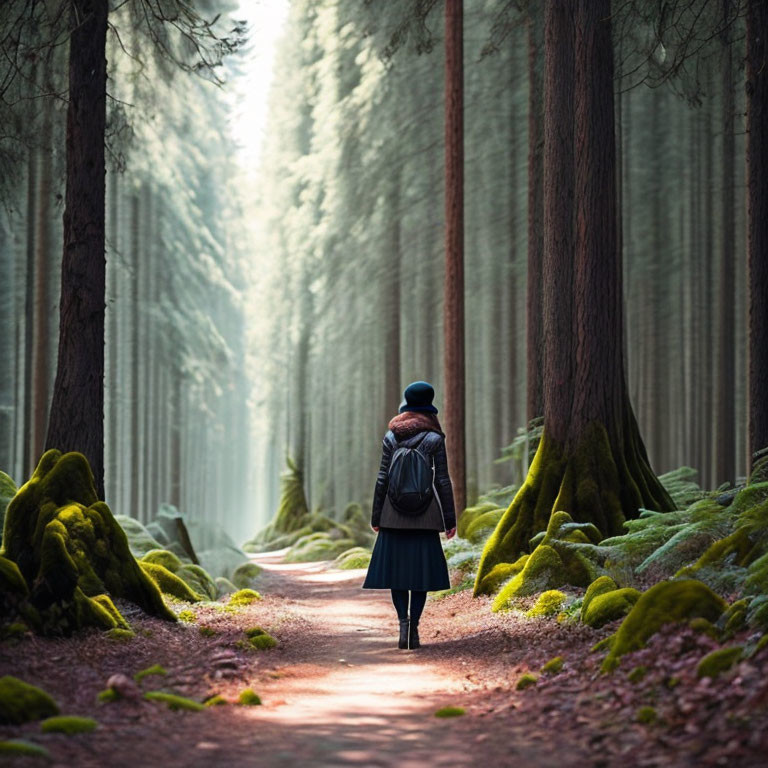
<point>354,697</point>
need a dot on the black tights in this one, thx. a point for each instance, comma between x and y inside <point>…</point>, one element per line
<point>400,599</point>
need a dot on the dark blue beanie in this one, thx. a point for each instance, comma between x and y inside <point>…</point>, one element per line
<point>418,397</point>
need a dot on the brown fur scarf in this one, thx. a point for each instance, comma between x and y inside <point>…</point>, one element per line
<point>410,423</point>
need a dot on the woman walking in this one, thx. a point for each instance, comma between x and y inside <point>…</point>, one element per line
<point>412,503</point>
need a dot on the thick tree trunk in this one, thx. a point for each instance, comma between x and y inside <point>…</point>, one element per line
<point>725,432</point>
<point>77,410</point>
<point>757,223</point>
<point>593,465</point>
<point>453,312</point>
<point>534,324</point>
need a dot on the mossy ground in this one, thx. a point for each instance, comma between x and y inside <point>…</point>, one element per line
<point>21,702</point>
<point>173,701</point>
<point>68,724</point>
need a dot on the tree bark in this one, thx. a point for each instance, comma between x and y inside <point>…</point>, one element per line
<point>77,410</point>
<point>725,442</point>
<point>757,223</point>
<point>453,312</point>
<point>598,470</point>
<point>536,139</point>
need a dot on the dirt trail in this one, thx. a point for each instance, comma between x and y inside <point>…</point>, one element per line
<point>355,698</point>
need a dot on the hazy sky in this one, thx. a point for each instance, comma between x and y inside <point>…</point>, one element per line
<point>265,20</point>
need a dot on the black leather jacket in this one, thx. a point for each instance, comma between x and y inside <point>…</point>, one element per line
<point>432,445</point>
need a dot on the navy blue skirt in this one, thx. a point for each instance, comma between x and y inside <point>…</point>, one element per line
<point>407,559</point>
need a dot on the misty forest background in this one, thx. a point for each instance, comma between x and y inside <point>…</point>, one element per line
<point>250,321</point>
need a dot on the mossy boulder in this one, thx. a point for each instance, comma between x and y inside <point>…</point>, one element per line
<point>356,557</point>
<point>548,603</point>
<point>69,549</point>
<point>526,681</point>
<point>164,557</point>
<point>259,638</point>
<point>243,597</point>
<point>249,698</point>
<point>21,702</point>
<point>542,570</point>
<point>7,491</point>
<point>22,748</point>
<point>68,724</point>
<point>719,661</point>
<point>140,540</point>
<point>224,587</point>
<point>501,573</point>
<point>173,701</point>
<point>246,574</point>
<point>320,545</point>
<point>605,602</point>
<point>668,602</point>
<point>169,583</point>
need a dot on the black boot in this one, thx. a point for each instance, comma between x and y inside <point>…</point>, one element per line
<point>403,642</point>
<point>413,635</point>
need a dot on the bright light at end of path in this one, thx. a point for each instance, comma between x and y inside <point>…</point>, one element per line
<point>265,20</point>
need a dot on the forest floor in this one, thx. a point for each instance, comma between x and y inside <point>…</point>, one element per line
<point>337,691</point>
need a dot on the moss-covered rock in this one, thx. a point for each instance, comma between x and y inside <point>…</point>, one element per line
<point>249,698</point>
<point>140,540</point>
<point>169,583</point>
<point>549,603</point>
<point>21,702</point>
<point>199,580</point>
<point>259,638</point>
<point>501,573</point>
<point>22,748</point>
<point>245,575</point>
<point>243,597</point>
<point>542,570</point>
<point>609,606</point>
<point>450,712</point>
<point>7,491</point>
<point>120,635</point>
<point>526,681</point>
<point>216,700</point>
<point>356,557</point>
<point>719,661</point>
<point>646,715</point>
<point>553,666</point>
<point>68,724</point>
<point>163,557</point>
<point>70,549</point>
<point>320,545</point>
<point>155,669</point>
<point>173,701</point>
<point>637,674</point>
<point>665,603</point>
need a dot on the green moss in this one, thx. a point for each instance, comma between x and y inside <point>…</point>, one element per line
<point>21,702</point>
<point>155,669</point>
<point>609,606</point>
<point>105,602</point>
<point>500,573</point>
<point>243,597</point>
<point>719,661</point>
<point>553,666</point>
<point>317,546</point>
<point>248,698</point>
<point>22,748</point>
<point>646,715</point>
<point>548,604</point>
<point>108,694</point>
<point>735,618</point>
<point>603,645</point>
<point>215,701</point>
<point>542,570</point>
<point>140,540</point>
<point>190,617</point>
<point>526,681</point>
<point>450,712</point>
<point>664,603</point>
<point>356,557</point>
<point>259,638</point>
<point>68,724</point>
<point>163,557</point>
<point>483,524</point>
<point>244,575</point>
<point>7,491</point>
<point>174,702</point>
<point>208,631</point>
<point>11,580</point>
<point>120,635</point>
<point>599,586</point>
<point>636,674</point>
<point>70,549</point>
<point>704,627</point>
<point>224,586</point>
<point>199,580</point>
<point>169,583</point>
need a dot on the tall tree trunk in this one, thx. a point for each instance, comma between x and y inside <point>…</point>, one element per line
<point>77,410</point>
<point>42,275</point>
<point>598,470</point>
<point>558,219</point>
<point>29,459</point>
<point>453,312</point>
<point>534,339</point>
<point>757,223</point>
<point>391,311</point>
<point>725,442</point>
<point>135,507</point>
